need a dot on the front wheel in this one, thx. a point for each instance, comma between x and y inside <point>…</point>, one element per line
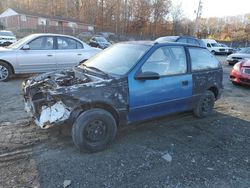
<point>205,105</point>
<point>5,72</point>
<point>93,130</point>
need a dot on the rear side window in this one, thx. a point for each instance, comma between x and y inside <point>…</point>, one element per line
<point>202,59</point>
<point>65,43</point>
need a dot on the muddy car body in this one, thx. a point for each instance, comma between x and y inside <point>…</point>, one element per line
<point>127,83</point>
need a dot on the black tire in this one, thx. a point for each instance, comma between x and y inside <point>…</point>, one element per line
<point>205,105</point>
<point>213,52</point>
<point>5,72</point>
<point>93,130</point>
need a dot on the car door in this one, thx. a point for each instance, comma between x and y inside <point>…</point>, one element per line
<point>69,53</point>
<point>170,93</point>
<point>38,56</point>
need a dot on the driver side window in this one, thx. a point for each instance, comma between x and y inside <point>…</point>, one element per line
<point>166,61</point>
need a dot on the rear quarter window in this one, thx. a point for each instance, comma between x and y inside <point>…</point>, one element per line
<point>202,59</point>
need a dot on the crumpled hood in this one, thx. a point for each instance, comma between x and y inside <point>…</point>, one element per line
<point>62,78</point>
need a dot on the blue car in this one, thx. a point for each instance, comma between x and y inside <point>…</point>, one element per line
<point>126,83</point>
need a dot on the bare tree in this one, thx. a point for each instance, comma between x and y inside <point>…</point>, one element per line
<point>160,10</point>
<point>176,15</point>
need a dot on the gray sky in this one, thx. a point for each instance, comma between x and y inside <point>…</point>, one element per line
<point>218,8</point>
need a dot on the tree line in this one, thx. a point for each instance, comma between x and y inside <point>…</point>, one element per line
<point>142,18</point>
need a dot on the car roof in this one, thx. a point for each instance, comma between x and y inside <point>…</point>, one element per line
<point>167,38</point>
<point>140,42</point>
<point>5,31</point>
<point>153,43</point>
<point>50,34</point>
<point>174,38</point>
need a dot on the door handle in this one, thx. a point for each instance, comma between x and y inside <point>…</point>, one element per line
<point>184,83</point>
<point>49,55</point>
<point>79,54</point>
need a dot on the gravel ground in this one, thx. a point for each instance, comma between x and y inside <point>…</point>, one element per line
<point>176,151</point>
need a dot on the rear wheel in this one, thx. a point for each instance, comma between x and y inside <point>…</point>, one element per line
<point>93,130</point>
<point>205,105</point>
<point>5,71</point>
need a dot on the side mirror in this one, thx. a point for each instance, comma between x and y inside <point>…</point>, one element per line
<point>147,76</point>
<point>26,47</point>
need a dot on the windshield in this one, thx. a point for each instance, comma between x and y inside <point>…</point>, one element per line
<point>19,43</point>
<point>118,59</point>
<point>6,33</point>
<point>215,45</point>
<point>101,39</point>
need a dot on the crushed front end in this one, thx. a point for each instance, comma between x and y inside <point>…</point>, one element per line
<point>43,99</point>
<point>51,97</point>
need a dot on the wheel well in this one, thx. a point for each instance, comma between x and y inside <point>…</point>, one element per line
<point>12,68</point>
<point>214,90</point>
<point>103,106</point>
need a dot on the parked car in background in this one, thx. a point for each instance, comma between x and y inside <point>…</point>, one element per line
<point>99,42</point>
<point>229,50</point>
<point>240,73</point>
<point>239,56</point>
<point>6,38</point>
<point>85,36</point>
<point>126,83</point>
<point>111,37</point>
<point>42,53</point>
<point>214,47</point>
<point>182,39</point>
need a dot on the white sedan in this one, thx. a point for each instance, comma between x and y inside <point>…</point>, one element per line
<point>38,53</point>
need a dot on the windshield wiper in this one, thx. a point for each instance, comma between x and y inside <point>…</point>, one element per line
<point>95,69</point>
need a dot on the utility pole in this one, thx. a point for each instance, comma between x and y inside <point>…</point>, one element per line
<point>197,19</point>
<point>102,14</point>
<point>66,7</point>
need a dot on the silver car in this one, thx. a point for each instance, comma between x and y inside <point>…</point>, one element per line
<point>6,38</point>
<point>239,56</point>
<point>38,53</point>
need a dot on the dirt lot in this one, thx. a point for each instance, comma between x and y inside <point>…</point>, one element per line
<point>177,151</point>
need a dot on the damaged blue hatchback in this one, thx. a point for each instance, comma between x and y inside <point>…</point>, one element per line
<point>126,83</point>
